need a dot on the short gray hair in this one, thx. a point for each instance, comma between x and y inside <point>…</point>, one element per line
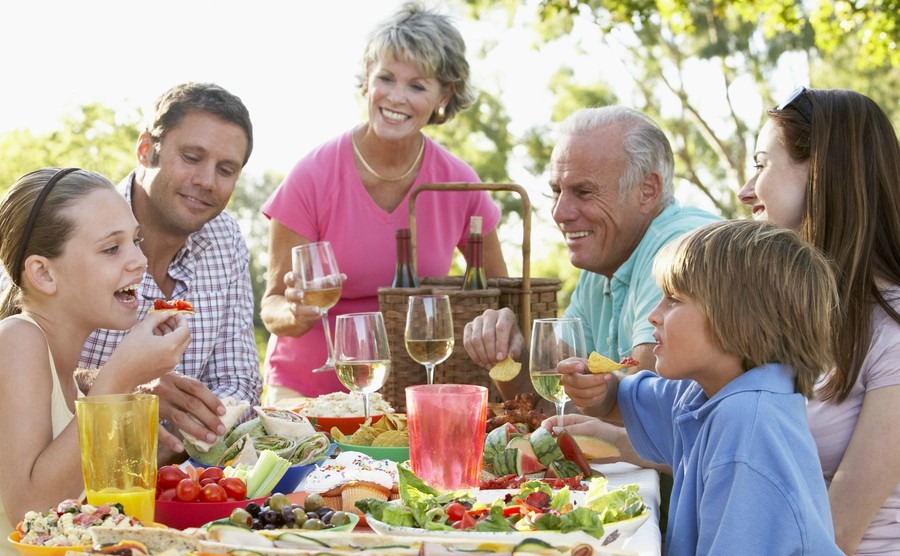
<point>431,41</point>
<point>646,146</point>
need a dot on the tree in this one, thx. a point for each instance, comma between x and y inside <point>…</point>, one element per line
<point>95,138</point>
<point>741,43</point>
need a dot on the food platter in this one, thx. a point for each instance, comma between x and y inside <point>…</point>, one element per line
<point>614,534</point>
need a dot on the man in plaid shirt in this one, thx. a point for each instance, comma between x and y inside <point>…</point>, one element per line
<point>189,160</point>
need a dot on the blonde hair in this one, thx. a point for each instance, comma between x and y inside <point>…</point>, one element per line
<point>51,229</point>
<point>767,295</point>
<point>430,40</point>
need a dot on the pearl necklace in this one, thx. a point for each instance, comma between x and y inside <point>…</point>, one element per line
<point>372,171</point>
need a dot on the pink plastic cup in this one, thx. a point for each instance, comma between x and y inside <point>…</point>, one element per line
<point>446,433</point>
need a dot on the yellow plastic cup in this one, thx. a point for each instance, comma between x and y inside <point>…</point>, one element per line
<point>119,434</point>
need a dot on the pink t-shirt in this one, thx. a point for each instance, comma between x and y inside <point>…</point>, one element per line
<point>323,199</point>
<point>832,424</point>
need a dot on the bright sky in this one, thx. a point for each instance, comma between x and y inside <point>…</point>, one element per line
<point>294,63</point>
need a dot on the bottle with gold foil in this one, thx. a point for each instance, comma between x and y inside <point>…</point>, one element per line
<point>404,274</point>
<point>475,278</point>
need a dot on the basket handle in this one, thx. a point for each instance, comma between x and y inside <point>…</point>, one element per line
<point>525,309</point>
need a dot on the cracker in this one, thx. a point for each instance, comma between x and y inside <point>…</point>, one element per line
<point>599,364</point>
<point>505,370</point>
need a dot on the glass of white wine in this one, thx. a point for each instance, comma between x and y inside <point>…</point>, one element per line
<point>553,340</point>
<point>320,281</point>
<point>429,331</point>
<point>362,353</point>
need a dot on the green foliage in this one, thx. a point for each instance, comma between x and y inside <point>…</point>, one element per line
<point>249,195</point>
<point>94,138</point>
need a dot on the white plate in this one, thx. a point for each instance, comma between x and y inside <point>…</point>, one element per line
<point>614,534</point>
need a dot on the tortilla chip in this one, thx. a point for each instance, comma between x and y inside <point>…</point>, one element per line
<point>599,364</point>
<point>392,438</point>
<point>505,370</point>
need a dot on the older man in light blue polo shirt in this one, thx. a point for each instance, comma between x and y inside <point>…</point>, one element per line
<point>611,175</point>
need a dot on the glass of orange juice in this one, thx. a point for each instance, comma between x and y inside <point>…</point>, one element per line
<point>118,434</point>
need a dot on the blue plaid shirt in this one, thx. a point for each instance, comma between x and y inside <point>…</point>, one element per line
<point>212,272</point>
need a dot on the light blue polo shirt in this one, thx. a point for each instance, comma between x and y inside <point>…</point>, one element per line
<point>747,478</point>
<point>614,312</point>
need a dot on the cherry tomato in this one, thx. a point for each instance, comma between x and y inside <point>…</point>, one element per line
<point>208,481</point>
<point>188,490</point>
<point>211,473</point>
<point>169,476</point>
<point>213,493</point>
<point>234,487</point>
<point>166,495</point>
<point>455,511</point>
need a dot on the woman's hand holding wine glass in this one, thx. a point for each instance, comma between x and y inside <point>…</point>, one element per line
<point>363,356</point>
<point>552,341</point>
<point>429,331</point>
<point>320,282</point>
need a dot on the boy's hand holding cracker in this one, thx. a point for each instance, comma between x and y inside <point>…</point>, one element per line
<point>598,364</point>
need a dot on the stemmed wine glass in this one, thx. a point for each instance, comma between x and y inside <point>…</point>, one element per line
<point>429,331</point>
<point>363,356</point>
<point>320,282</point>
<point>553,340</point>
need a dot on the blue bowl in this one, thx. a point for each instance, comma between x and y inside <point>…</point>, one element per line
<point>292,478</point>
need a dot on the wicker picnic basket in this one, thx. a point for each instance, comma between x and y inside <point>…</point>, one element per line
<point>528,297</point>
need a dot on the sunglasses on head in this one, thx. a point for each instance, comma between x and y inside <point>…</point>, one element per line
<point>799,102</point>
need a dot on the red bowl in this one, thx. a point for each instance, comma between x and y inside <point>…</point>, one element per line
<point>347,425</point>
<point>182,515</point>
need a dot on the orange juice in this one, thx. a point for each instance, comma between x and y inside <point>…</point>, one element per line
<point>138,502</point>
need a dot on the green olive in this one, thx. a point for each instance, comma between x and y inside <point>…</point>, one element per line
<point>313,524</point>
<point>240,516</point>
<point>278,501</point>
<point>313,502</point>
<point>339,518</point>
<point>299,517</point>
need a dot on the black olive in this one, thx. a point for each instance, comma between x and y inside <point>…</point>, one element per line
<point>252,508</point>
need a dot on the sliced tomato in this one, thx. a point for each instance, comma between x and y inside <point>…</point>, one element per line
<point>629,362</point>
<point>466,522</point>
<point>512,510</point>
<point>455,511</point>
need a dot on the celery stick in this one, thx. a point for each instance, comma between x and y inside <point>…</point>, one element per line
<point>266,473</point>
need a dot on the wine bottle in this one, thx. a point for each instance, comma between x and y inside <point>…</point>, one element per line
<point>475,278</point>
<point>404,275</point>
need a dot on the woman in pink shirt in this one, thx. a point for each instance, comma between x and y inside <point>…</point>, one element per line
<point>353,191</point>
<point>828,165</point>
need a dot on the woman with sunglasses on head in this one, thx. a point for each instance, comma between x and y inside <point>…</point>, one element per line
<point>828,165</point>
<point>71,273</point>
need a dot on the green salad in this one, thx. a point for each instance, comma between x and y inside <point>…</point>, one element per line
<point>535,507</point>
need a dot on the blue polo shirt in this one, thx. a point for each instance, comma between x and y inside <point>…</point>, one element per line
<point>747,478</point>
<point>614,312</point>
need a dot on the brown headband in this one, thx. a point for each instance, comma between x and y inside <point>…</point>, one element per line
<point>32,218</point>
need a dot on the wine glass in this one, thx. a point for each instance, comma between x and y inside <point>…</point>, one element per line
<point>320,282</point>
<point>553,340</point>
<point>362,353</point>
<point>429,331</point>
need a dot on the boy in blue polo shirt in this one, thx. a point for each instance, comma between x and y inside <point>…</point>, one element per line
<point>742,332</point>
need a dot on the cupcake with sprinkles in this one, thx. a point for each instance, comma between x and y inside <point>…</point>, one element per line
<point>352,476</point>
